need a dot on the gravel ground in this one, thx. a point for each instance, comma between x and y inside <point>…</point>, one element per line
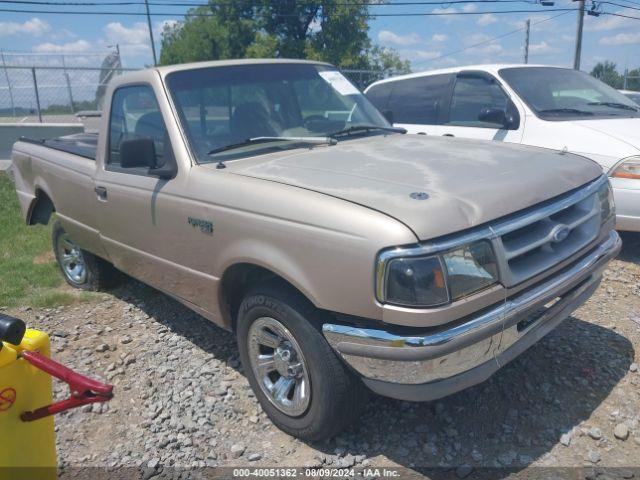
<point>572,400</point>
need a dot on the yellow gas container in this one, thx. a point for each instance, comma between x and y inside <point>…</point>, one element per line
<point>27,449</point>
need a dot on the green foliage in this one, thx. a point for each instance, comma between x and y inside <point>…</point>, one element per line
<point>332,31</point>
<point>606,72</point>
<point>28,273</point>
<point>633,82</point>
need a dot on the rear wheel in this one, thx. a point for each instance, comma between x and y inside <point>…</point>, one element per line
<point>301,384</point>
<point>80,268</point>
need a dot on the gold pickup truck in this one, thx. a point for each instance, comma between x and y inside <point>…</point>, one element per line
<point>272,198</point>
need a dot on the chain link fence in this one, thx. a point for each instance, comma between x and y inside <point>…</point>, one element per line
<point>363,78</point>
<point>51,94</point>
<point>65,94</point>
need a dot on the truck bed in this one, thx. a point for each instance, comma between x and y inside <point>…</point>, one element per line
<point>82,144</point>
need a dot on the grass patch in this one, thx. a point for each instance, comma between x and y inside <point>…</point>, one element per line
<point>29,275</point>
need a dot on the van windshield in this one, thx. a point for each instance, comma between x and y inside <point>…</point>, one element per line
<point>228,106</point>
<point>563,94</point>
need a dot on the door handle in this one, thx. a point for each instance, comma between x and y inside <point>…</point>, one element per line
<point>448,135</point>
<point>422,133</point>
<point>101,192</point>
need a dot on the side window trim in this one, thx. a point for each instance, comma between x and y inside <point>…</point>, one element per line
<point>107,165</point>
<point>443,113</point>
<point>485,76</point>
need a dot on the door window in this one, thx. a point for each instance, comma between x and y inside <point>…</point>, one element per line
<point>472,95</point>
<point>420,100</point>
<point>135,114</point>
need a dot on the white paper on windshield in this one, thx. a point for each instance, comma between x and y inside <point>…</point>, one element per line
<point>339,83</point>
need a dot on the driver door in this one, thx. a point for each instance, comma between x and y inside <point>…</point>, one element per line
<point>477,102</point>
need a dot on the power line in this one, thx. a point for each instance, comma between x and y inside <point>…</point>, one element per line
<point>212,14</point>
<point>620,15</point>
<point>490,40</point>
<point>619,5</point>
<point>172,3</point>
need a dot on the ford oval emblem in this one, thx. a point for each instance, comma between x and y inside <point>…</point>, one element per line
<point>560,233</point>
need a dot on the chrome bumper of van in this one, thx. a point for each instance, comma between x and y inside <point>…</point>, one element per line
<point>439,363</point>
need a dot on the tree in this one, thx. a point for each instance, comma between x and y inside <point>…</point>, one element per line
<point>633,80</point>
<point>333,31</point>
<point>606,72</point>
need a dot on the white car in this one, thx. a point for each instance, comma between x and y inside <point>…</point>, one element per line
<point>550,107</point>
<point>635,96</point>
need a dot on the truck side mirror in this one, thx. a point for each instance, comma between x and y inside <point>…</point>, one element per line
<point>137,152</point>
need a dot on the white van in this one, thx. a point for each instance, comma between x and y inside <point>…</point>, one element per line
<point>543,106</point>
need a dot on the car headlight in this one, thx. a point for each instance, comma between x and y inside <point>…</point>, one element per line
<point>628,168</point>
<point>607,204</point>
<point>434,280</point>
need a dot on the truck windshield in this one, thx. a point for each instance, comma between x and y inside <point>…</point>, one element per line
<point>563,94</point>
<point>222,106</point>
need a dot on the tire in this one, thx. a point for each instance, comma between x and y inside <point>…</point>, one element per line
<point>81,269</point>
<point>336,396</point>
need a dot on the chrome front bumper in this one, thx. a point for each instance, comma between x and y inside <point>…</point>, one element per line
<point>441,362</point>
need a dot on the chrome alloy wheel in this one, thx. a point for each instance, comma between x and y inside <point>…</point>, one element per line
<point>279,366</point>
<point>71,260</point>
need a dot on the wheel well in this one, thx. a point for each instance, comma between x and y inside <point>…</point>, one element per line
<point>41,210</point>
<point>236,282</point>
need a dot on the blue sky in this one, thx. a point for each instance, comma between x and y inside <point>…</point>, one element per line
<point>428,42</point>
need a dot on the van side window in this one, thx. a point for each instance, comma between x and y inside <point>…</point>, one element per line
<point>471,95</point>
<point>420,100</point>
<point>135,114</point>
<point>379,95</point>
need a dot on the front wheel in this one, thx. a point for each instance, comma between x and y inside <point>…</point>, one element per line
<point>80,268</point>
<point>298,379</point>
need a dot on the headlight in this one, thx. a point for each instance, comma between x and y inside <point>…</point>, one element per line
<point>607,205</point>
<point>628,168</point>
<point>437,279</point>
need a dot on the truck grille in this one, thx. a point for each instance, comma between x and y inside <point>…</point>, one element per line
<point>536,241</point>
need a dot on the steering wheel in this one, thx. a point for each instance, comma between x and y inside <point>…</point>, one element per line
<point>316,123</point>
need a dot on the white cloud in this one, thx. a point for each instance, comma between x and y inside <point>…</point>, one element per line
<point>621,39</point>
<point>414,54</point>
<point>35,27</point>
<point>542,47</point>
<point>448,10</point>
<point>439,37</point>
<point>486,19</point>
<point>470,7</point>
<point>79,46</point>
<point>387,36</point>
<point>117,33</point>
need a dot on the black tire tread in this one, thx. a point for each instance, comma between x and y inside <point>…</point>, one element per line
<point>101,275</point>
<point>348,393</point>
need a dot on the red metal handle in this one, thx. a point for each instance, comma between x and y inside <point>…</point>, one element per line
<point>84,390</point>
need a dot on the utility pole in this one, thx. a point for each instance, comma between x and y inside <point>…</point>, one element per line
<point>576,58</point>
<point>153,45</point>
<point>526,42</point>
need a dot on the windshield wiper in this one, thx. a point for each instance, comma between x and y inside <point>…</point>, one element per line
<point>574,111</point>
<point>365,128</point>
<point>258,140</point>
<point>614,105</point>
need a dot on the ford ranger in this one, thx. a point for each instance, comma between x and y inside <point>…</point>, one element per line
<point>272,198</point>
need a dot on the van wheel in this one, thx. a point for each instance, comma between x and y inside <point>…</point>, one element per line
<point>301,384</point>
<point>80,268</point>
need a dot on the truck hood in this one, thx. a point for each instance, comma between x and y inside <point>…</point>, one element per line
<point>466,182</point>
